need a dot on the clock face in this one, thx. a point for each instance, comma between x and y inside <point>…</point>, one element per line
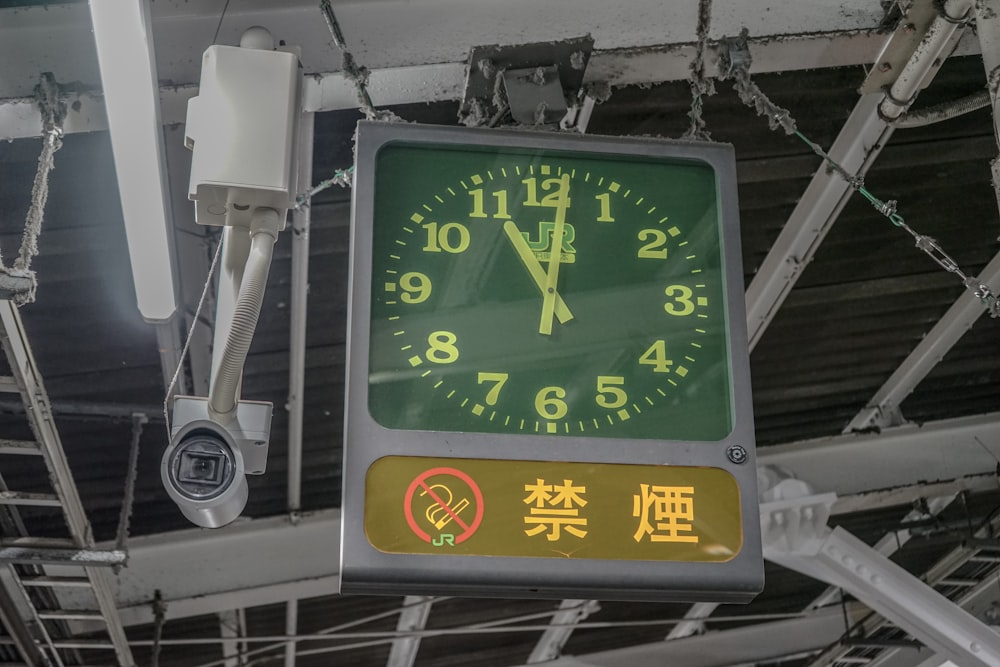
<point>550,292</point>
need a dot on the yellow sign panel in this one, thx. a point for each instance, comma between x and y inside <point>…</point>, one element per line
<point>490,507</point>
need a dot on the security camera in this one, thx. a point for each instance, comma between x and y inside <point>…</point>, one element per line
<point>242,128</point>
<point>205,466</point>
<point>204,474</point>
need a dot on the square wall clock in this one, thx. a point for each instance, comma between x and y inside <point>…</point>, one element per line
<point>547,363</point>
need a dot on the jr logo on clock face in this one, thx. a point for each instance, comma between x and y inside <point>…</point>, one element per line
<point>547,292</point>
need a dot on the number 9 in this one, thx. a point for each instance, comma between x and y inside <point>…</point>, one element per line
<point>416,287</point>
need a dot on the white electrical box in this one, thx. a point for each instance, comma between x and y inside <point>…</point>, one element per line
<point>242,128</point>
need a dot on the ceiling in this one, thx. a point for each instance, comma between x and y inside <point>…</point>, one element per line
<point>869,320</point>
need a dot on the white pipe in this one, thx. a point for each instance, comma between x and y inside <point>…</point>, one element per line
<point>925,60</point>
<point>297,350</point>
<point>299,300</point>
<point>943,112</point>
<point>291,629</point>
<point>988,30</point>
<point>224,393</point>
<point>235,249</point>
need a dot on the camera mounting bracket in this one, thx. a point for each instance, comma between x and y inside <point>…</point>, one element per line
<point>250,428</point>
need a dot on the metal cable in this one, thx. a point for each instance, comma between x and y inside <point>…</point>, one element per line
<point>342,177</point>
<point>159,614</point>
<point>138,421</point>
<point>777,117</point>
<point>218,26</point>
<point>53,112</point>
<point>355,73</point>
<point>187,341</point>
<point>458,631</point>
<point>700,84</point>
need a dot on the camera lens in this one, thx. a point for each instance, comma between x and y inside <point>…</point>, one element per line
<point>202,466</point>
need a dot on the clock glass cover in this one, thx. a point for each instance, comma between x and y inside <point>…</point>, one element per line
<point>549,292</point>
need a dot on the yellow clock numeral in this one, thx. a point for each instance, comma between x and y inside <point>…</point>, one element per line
<point>655,249</point>
<point>549,403</point>
<point>416,287</point>
<point>442,238</point>
<point>478,205</point>
<point>609,394</point>
<point>441,347</point>
<point>681,303</point>
<point>656,356</point>
<point>605,199</point>
<point>494,393</point>
<point>551,199</point>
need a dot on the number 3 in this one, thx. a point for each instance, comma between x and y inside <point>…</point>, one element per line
<point>682,304</point>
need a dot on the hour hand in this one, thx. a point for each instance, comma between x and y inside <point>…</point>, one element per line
<point>535,269</point>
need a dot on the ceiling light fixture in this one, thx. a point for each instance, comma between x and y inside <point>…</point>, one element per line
<point>123,35</point>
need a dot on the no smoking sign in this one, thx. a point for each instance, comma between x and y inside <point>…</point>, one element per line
<point>443,506</point>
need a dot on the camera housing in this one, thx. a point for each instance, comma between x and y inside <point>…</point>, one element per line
<point>205,466</point>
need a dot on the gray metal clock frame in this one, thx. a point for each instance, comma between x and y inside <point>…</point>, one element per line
<point>364,569</point>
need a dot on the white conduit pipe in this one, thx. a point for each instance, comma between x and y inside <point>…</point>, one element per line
<point>224,393</point>
<point>925,60</point>
<point>944,111</point>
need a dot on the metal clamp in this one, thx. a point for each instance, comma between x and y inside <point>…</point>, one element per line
<point>962,21</point>
<point>735,57</point>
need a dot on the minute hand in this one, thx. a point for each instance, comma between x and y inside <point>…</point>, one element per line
<point>527,258</point>
<point>552,275</point>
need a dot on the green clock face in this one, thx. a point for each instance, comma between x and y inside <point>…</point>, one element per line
<point>547,292</point>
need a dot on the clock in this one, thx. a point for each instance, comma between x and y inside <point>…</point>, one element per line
<point>517,289</point>
<point>534,313</point>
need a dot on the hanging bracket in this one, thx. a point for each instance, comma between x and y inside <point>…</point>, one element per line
<point>536,83</point>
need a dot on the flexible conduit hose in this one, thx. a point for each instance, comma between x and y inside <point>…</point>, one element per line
<point>945,111</point>
<point>223,396</point>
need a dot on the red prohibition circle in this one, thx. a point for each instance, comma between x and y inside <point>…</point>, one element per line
<point>421,482</point>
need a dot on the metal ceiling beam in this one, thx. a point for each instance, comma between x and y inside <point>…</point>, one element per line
<point>855,148</point>
<point>860,141</point>
<point>413,617</point>
<point>900,456</point>
<point>802,542</point>
<point>696,614</point>
<point>205,572</point>
<point>25,371</point>
<point>15,624</point>
<point>977,602</point>
<point>383,37</point>
<point>552,641</point>
<point>232,627</point>
<point>327,89</point>
<point>890,543</point>
<point>438,82</point>
<point>883,409</point>
<point>740,646</point>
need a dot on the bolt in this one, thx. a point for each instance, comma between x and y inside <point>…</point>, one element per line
<point>909,28</point>
<point>885,67</point>
<point>737,454</point>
